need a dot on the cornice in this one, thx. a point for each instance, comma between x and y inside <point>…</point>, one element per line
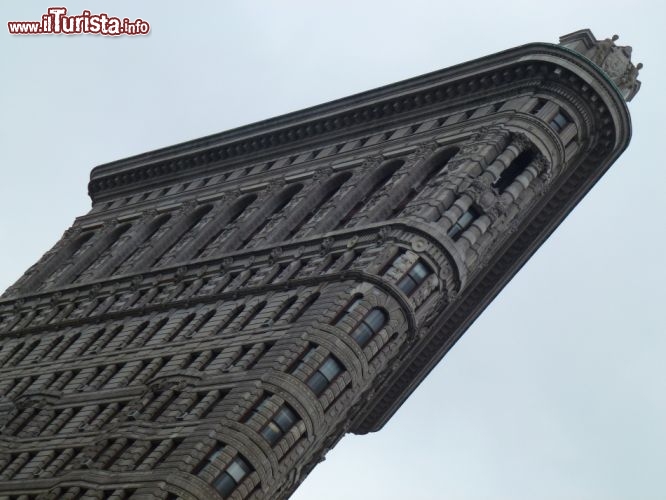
<point>345,117</point>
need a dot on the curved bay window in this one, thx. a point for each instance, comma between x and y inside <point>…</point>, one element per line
<point>279,425</point>
<point>229,480</point>
<point>329,370</point>
<point>414,277</point>
<point>463,223</point>
<point>369,326</point>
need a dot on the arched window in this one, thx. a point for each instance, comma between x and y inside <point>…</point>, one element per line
<point>105,253</point>
<point>463,223</point>
<point>236,210</point>
<point>353,303</point>
<point>414,277</point>
<point>331,187</point>
<point>381,177</point>
<point>79,242</point>
<point>327,372</point>
<point>369,326</point>
<point>155,225</point>
<point>232,316</point>
<point>436,164</point>
<point>253,314</point>
<point>192,221</point>
<point>232,476</point>
<point>285,307</point>
<point>283,199</point>
<point>306,305</point>
<point>515,168</point>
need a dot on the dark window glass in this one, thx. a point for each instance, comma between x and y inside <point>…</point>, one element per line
<point>375,319</point>
<point>369,326</point>
<point>285,418</point>
<point>318,383</point>
<point>224,484</point>
<point>330,369</point>
<point>515,168</point>
<point>414,277</point>
<point>271,433</point>
<point>463,223</point>
<point>559,121</point>
<point>362,334</point>
<point>230,478</point>
<point>407,285</point>
<point>419,272</point>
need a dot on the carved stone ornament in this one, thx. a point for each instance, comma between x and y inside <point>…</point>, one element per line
<point>382,235</point>
<point>180,273</point>
<point>326,245</point>
<point>454,165</point>
<point>419,244</point>
<point>423,151</point>
<point>136,282</point>
<point>614,60</point>
<point>372,163</point>
<point>276,185</point>
<point>274,255</point>
<point>520,141</point>
<point>322,173</point>
<point>352,241</point>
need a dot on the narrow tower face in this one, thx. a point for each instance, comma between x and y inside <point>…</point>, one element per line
<point>232,306</point>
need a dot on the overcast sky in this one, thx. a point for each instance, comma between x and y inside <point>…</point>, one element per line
<point>558,391</point>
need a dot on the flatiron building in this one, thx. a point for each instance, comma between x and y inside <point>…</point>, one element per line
<point>232,306</point>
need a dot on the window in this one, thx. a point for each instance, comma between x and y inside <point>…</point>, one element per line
<point>332,187</point>
<point>282,201</point>
<point>515,168</point>
<point>320,380</point>
<point>236,210</point>
<point>414,277</point>
<point>369,326</point>
<point>351,305</point>
<point>227,482</point>
<point>436,164</point>
<point>384,174</point>
<point>463,223</point>
<point>281,422</point>
<point>559,121</point>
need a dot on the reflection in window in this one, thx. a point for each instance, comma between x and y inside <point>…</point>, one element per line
<point>369,326</point>
<point>414,277</point>
<point>227,482</point>
<point>463,223</point>
<point>320,380</point>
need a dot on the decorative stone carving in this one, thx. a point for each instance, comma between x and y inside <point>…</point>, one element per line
<point>274,255</point>
<point>326,245</point>
<point>614,60</point>
<point>423,151</point>
<point>322,174</point>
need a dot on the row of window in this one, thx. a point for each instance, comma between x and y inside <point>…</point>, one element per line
<point>120,454</point>
<point>48,348</point>
<point>241,357</point>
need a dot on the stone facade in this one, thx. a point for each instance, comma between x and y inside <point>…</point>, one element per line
<point>232,306</point>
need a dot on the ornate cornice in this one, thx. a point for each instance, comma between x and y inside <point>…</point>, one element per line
<point>522,66</point>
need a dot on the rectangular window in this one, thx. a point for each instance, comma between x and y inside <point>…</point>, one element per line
<point>320,380</point>
<point>463,223</point>
<point>227,482</point>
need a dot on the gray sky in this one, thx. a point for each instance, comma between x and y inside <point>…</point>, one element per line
<point>557,391</point>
